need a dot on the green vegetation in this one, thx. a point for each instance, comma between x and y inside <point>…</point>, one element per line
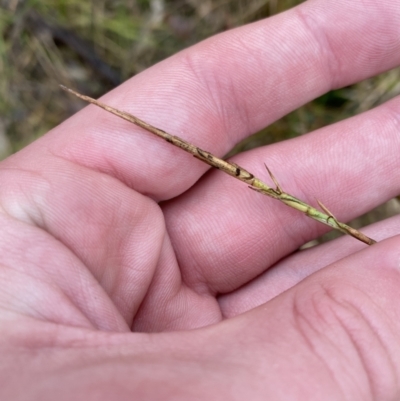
<point>96,45</point>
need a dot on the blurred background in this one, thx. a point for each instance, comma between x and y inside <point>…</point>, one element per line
<point>93,46</point>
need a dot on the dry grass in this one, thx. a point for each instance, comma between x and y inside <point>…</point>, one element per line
<point>95,45</point>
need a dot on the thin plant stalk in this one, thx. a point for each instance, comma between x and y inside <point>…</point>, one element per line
<point>324,217</point>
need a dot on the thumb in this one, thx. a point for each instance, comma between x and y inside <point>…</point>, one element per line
<point>338,330</point>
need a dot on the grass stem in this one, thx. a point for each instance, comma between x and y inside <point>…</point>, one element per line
<point>325,217</point>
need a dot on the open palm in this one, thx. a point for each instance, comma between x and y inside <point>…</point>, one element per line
<point>116,246</point>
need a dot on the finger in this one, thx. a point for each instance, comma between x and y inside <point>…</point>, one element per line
<point>226,235</point>
<point>80,248</point>
<point>229,86</point>
<point>340,323</point>
<point>223,110</point>
<point>290,271</point>
<point>105,237</point>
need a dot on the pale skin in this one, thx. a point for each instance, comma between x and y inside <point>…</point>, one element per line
<point>115,245</point>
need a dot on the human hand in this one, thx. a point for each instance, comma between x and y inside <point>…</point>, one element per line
<point>89,255</point>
